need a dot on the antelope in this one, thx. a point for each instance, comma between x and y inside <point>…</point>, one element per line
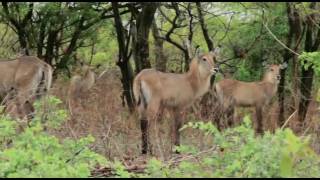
<point>233,93</point>
<point>24,80</point>
<point>80,84</point>
<point>155,91</point>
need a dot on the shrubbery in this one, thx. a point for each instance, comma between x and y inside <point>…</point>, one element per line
<point>237,152</point>
<point>240,153</point>
<point>36,153</point>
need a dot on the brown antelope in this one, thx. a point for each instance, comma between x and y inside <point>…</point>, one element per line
<point>233,93</point>
<point>154,91</point>
<point>24,79</point>
<point>80,84</point>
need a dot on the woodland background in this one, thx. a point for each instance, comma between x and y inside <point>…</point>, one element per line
<point>120,39</point>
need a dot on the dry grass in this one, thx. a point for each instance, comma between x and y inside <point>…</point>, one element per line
<point>117,133</point>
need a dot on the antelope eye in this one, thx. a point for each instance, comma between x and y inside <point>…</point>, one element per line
<point>271,69</point>
<point>204,59</point>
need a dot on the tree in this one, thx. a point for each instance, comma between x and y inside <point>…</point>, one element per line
<point>54,30</point>
<point>161,59</point>
<point>307,75</point>
<point>176,23</point>
<point>124,57</point>
<point>140,33</point>
<point>19,24</point>
<point>293,41</point>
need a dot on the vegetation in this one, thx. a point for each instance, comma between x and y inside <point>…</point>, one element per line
<point>238,153</point>
<point>122,38</point>
<point>36,153</point>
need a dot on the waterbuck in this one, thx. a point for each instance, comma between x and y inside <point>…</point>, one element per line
<point>80,84</point>
<point>233,93</point>
<point>24,79</point>
<point>154,91</point>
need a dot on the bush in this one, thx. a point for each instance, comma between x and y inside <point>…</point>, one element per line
<point>36,153</point>
<point>239,153</point>
<point>308,59</point>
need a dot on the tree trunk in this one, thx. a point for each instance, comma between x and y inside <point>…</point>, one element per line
<point>208,99</point>
<point>72,46</point>
<point>187,60</point>
<point>52,37</point>
<point>294,35</point>
<point>141,46</point>
<point>23,41</point>
<point>123,62</point>
<point>19,25</point>
<point>161,60</point>
<point>127,81</point>
<point>306,88</point>
<point>204,28</point>
<point>41,38</point>
<point>307,74</point>
<point>286,57</point>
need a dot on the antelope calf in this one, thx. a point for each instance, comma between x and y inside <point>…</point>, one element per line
<point>79,85</point>
<point>154,91</point>
<point>233,93</point>
<point>26,79</point>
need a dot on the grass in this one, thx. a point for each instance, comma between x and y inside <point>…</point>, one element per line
<point>100,112</point>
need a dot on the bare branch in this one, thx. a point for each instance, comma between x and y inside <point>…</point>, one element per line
<point>281,43</point>
<point>227,29</point>
<point>204,28</point>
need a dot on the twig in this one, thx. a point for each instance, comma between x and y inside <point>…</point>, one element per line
<point>176,160</point>
<point>279,40</point>
<point>288,120</point>
<point>227,29</point>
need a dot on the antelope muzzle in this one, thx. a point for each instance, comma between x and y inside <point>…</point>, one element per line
<point>214,70</point>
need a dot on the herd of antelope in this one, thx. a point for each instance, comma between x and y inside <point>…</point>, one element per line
<point>26,78</point>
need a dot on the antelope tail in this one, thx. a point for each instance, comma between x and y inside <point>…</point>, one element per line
<point>48,77</point>
<point>138,93</point>
<point>218,93</point>
<point>45,81</point>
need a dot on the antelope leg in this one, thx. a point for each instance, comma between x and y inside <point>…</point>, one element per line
<point>144,130</point>
<point>175,129</point>
<point>259,120</point>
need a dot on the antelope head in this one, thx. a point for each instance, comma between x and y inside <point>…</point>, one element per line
<point>272,73</point>
<point>206,64</point>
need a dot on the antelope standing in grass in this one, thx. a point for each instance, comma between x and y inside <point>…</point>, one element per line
<point>24,80</point>
<point>79,85</point>
<point>233,93</point>
<point>154,91</point>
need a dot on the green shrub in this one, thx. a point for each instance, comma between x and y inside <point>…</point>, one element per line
<point>238,152</point>
<point>36,153</point>
<point>311,59</point>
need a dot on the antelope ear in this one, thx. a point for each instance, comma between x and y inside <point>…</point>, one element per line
<point>215,51</point>
<point>198,52</point>
<point>265,64</point>
<point>283,65</point>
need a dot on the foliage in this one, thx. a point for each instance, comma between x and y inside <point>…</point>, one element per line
<point>239,153</point>
<point>311,59</point>
<point>36,153</point>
